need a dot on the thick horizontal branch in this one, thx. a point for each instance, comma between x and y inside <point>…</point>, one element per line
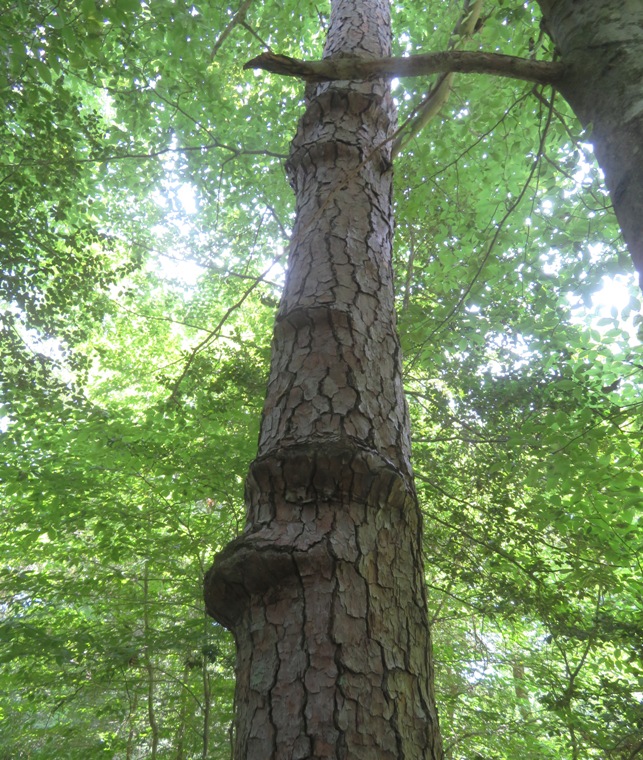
<point>465,62</point>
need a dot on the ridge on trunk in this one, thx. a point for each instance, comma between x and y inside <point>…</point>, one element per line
<point>324,590</point>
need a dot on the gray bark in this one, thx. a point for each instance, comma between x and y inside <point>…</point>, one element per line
<point>601,44</point>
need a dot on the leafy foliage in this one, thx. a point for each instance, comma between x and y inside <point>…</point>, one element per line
<point>143,220</point>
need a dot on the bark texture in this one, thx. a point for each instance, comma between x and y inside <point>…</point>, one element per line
<point>324,591</point>
<point>601,43</point>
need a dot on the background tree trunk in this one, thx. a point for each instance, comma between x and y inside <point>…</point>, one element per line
<point>602,42</point>
<point>324,591</point>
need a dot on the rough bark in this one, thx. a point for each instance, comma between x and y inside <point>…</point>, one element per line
<point>601,44</point>
<point>324,591</point>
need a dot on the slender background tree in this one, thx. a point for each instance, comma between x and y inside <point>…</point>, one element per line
<point>144,223</point>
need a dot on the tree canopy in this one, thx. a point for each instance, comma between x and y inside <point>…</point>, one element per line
<point>144,215</point>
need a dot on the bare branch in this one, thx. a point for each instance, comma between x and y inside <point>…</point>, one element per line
<point>238,18</point>
<point>351,68</point>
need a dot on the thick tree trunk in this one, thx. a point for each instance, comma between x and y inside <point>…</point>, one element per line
<point>324,591</point>
<point>602,43</point>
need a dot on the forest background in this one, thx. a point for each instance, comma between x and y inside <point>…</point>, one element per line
<point>144,219</point>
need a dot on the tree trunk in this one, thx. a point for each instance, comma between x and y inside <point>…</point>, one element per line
<point>324,591</point>
<point>149,666</point>
<point>207,704</point>
<point>602,43</point>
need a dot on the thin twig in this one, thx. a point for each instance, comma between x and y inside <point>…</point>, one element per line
<point>213,333</point>
<point>238,18</point>
<point>494,239</point>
